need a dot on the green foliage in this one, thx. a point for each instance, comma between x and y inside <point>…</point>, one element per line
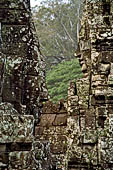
<point>59,77</point>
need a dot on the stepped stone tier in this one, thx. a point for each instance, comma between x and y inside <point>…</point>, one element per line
<point>36,134</point>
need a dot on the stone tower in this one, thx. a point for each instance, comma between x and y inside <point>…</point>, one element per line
<point>90,106</point>
<point>21,63</point>
<point>22,88</point>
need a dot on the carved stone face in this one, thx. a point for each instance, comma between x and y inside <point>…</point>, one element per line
<point>96,38</point>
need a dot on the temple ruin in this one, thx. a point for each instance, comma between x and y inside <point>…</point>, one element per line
<point>36,134</point>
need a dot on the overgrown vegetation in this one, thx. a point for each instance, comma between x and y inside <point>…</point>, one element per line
<point>59,76</point>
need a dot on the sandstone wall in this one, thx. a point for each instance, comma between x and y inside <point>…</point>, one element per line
<point>52,128</point>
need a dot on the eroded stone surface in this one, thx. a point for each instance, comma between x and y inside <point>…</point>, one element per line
<point>52,127</point>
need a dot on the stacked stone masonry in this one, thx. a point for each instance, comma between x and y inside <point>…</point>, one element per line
<point>72,135</point>
<point>52,128</point>
<point>90,103</point>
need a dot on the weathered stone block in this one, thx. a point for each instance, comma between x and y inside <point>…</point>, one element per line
<point>47,119</point>
<point>58,144</point>
<point>90,122</point>
<point>41,156</point>
<point>11,16</point>
<point>4,159</point>
<point>60,120</point>
<point>20,160</point>
<point>90,137</point>
<point>73,110</point>
<point>15,4</point>
<point>15,34</point>
<point>39,130</point>
<point>90,154</point>
<point>82,122</point>
<point>2,147</point>
<point>16,128</point>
